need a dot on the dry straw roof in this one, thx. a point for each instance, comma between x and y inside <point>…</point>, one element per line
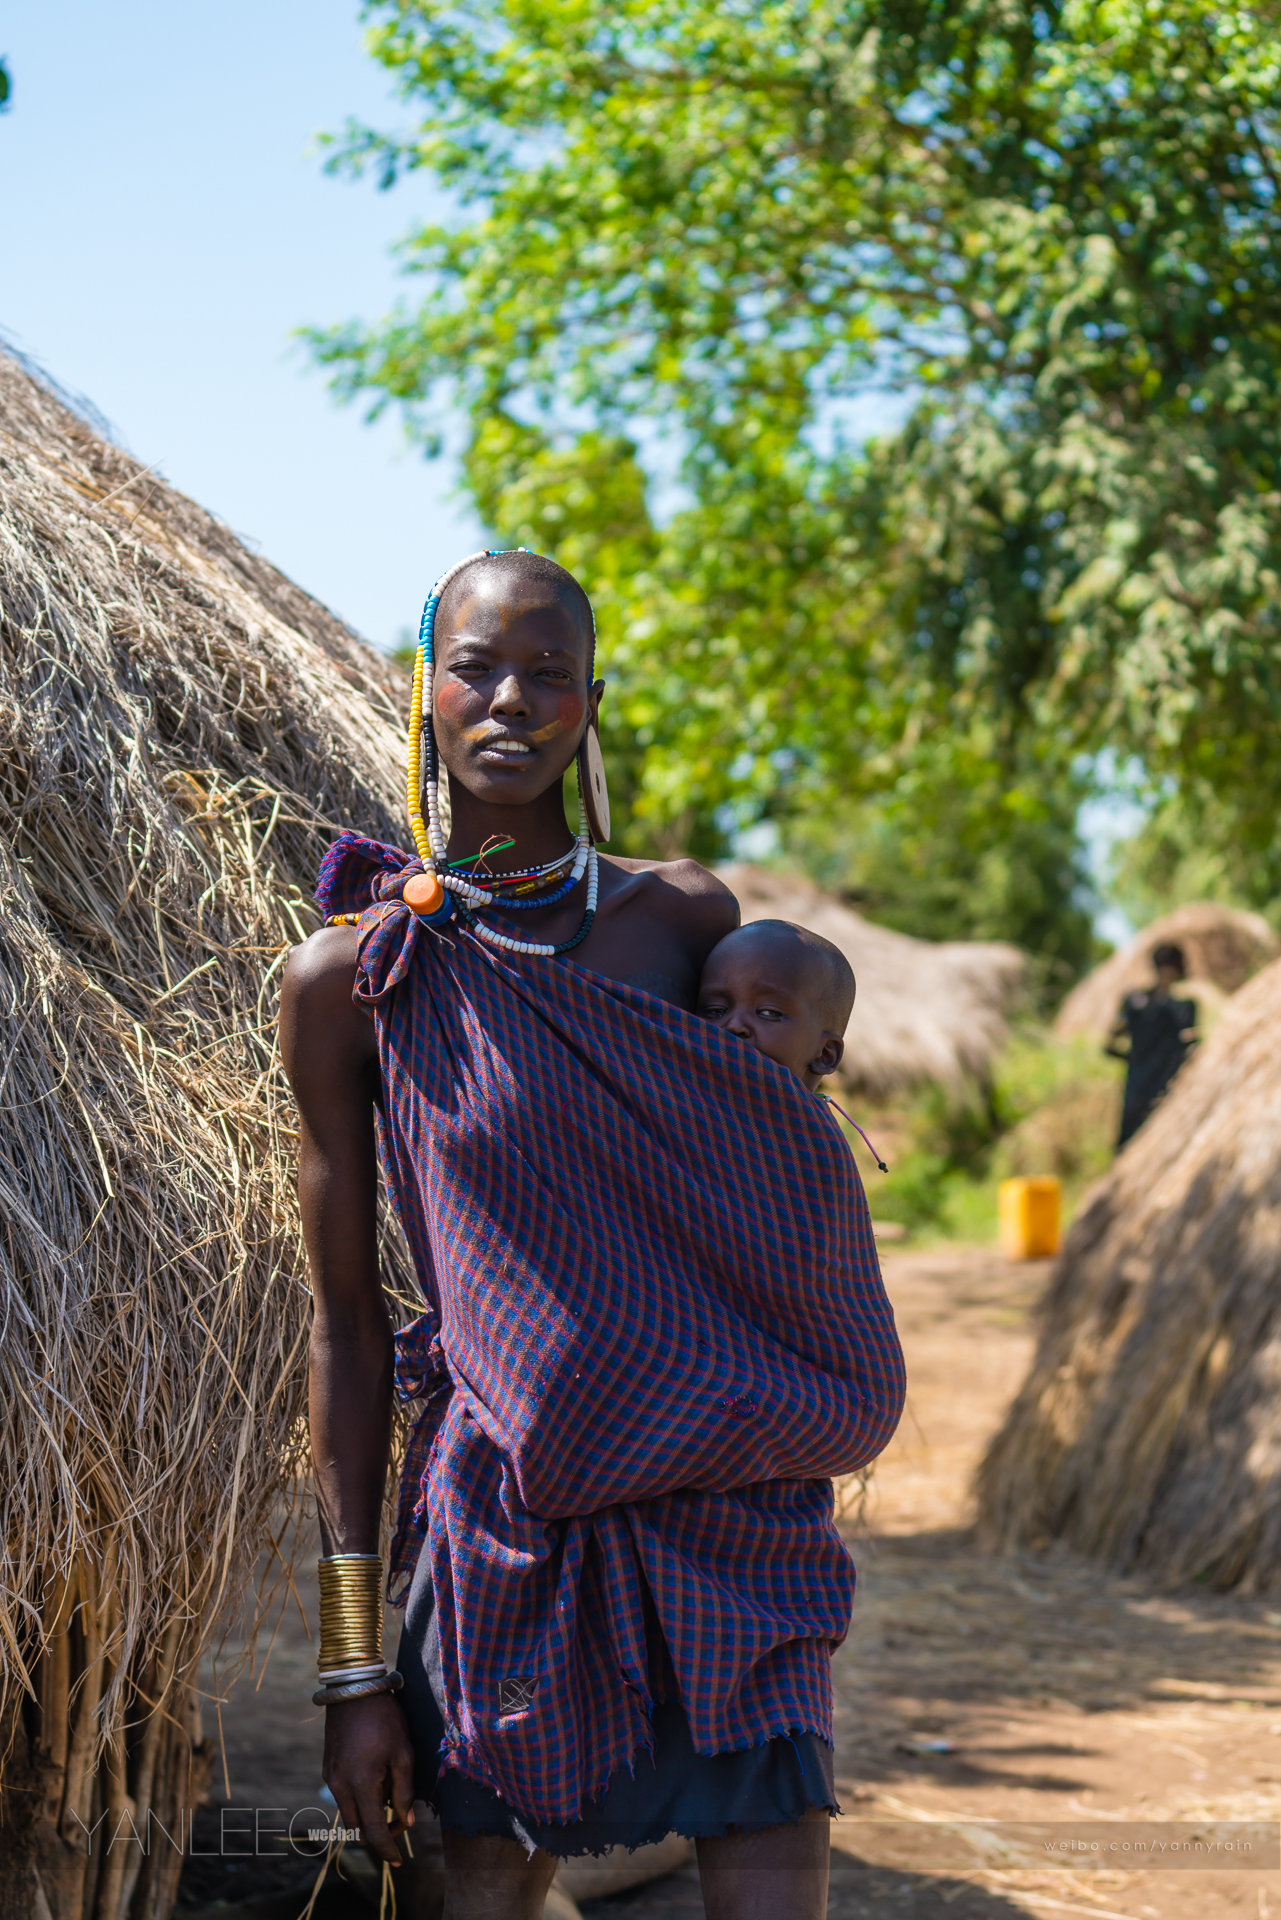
<point>923,1012</point>
<point>1223,947</point>
<point>1147,1432</point>
<point>181,731</point>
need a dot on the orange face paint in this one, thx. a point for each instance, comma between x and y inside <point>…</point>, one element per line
<point>451,698</point>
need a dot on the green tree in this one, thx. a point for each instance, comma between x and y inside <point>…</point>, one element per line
<point>964,845</point>
<point>1191,848</point>
<point>1055,225</point>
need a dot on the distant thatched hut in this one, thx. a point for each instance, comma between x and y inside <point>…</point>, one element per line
<point>924,1011</point>
<point>1147,1432</point>
<point>1223,947</point>
<point>182,732</point>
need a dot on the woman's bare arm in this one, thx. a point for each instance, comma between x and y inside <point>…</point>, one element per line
<point>329,1052</point>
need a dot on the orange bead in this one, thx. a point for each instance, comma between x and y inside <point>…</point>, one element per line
<point>424,893</point>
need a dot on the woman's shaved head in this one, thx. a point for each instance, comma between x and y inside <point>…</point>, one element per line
<point>511,683</point>
<point>529,577</point>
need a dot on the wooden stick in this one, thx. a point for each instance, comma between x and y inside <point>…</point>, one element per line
<point>84,1738</point>
<point>93,1862</point>
<point>145,1778</point>
<point>55,1691</point>
<point>120,1811</point>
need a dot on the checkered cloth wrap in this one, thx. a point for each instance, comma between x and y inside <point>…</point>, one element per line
<point>656,1308</point>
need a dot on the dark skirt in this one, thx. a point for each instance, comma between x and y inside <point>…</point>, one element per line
<point>672,1790</point>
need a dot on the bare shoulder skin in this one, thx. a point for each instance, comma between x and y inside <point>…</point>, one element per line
<point>690,879</point>
<point>656,924</point>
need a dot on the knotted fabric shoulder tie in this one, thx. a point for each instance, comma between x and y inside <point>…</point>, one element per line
<point>364,881</point>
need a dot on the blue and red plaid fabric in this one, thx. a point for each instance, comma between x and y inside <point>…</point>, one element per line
<point>655,1306</point>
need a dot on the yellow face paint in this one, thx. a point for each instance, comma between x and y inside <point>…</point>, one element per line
<point>452,694</point>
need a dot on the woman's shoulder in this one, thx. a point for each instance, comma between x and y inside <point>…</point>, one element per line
<point>688,888</point>
<point>320,970</point>
<point>321,1027</point>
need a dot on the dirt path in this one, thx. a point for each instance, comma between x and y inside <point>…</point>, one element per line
<point>1062,1695</point>
<point>974,1690</point>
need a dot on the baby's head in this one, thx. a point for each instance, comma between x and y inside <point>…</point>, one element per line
<point>785,989</point>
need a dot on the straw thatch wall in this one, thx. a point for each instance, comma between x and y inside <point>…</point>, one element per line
<point>1147,1432</point>
<point>1223,947</point>
<point>180,732</point>
<point>924,1011</point>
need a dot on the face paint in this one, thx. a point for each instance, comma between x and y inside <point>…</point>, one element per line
<point>570,712</point>
<point>451,698</point>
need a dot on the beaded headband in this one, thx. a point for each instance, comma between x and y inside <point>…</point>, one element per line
<point>429,838</point>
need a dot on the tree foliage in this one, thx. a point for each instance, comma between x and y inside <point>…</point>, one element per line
<point>1054,226</point>
<point>1191,848</point>
<point>966,843</point>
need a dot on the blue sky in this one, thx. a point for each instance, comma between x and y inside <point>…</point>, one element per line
<point>167,225</point>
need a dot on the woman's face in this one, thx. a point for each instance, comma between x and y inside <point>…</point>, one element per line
<point>510,692</point>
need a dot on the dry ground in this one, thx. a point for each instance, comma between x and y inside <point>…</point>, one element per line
<point>972,1690</point>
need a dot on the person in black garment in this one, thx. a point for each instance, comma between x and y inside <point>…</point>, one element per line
<point>1153,1033</point>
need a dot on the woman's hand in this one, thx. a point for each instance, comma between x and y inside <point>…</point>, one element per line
<point>368,1763</point>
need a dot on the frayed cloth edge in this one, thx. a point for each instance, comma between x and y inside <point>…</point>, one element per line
<point>702,1831</point>
<point>452,1758</point>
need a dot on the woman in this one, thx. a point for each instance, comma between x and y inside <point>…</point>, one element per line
<point>637,1370</point>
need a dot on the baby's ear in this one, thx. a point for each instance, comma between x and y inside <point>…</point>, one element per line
<point>829,1056</point>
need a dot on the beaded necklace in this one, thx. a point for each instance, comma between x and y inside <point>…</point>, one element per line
<point>472,896</point>
<point>503,887</point>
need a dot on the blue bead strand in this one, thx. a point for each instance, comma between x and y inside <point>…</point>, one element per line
<point>543,900</point>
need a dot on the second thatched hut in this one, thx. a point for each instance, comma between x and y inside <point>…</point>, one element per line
<point>1148,1431</point>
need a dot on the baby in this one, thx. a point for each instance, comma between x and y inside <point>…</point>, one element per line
<point>786,990</point>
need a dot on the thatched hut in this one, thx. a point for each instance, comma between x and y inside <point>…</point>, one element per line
<point>1147,1432</point>
<point>183,730</point>
<point>1223,947</point>
<point>925,1011</point>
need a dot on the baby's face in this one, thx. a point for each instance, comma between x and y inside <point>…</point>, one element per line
<point>754,990</point>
